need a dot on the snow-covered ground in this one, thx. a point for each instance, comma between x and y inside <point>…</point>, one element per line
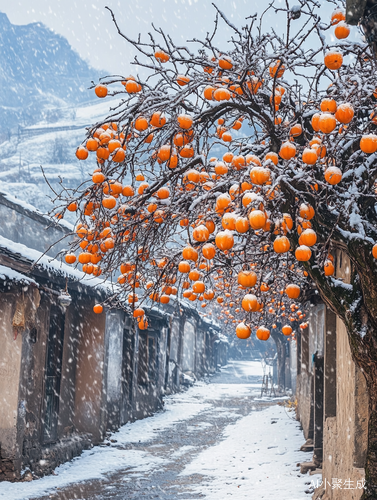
<point>259,455</point>
<point>255,453</point>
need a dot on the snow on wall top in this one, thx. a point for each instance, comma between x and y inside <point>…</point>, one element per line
<point>223,338</point>
<point>54,266</point>
<point>189,306</point>
<point>6,274</point>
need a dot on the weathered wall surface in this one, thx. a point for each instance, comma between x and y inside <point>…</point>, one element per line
<point>89,394</point>
<point>304,392</point>
<point>71,374</point>
<point>344,446</point>
<point>10,363</point>
<point>345,431</point>
<point>16,377</point>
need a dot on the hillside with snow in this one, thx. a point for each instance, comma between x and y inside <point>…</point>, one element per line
<point>48,149</point>
<point>45,109</point>
<point>45,106</point>
<point>39,74</point>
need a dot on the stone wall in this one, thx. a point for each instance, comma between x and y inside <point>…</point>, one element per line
<point>345,422</point>
<point>10,364</point>
<point>304,392</point>
<point>71,375</point>
<point>22,384</point>
<point>345,435</point>
<point>16,377</point>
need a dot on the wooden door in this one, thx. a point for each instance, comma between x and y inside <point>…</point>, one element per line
<point>53,372</point>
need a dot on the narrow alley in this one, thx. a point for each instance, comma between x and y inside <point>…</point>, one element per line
<point>219,439</point>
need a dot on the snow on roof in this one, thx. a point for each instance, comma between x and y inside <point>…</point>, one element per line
<point>186,304</point>
<point>31,208</point>
<point>6,274</point>
<point>61,269</point>
<point>207,319</point>
<point>223,338</point>
<point>54,266</point>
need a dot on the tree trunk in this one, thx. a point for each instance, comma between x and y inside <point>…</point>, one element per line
<point>371,459</point>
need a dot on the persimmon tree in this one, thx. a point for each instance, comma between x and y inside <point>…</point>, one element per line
<point>233,175</point>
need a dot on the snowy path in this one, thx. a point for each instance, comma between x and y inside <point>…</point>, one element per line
<point>218,440</point>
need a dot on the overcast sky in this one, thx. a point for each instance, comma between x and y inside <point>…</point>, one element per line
<point>89,29</point>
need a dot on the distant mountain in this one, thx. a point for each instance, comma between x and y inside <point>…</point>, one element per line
<point>39,73</point>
